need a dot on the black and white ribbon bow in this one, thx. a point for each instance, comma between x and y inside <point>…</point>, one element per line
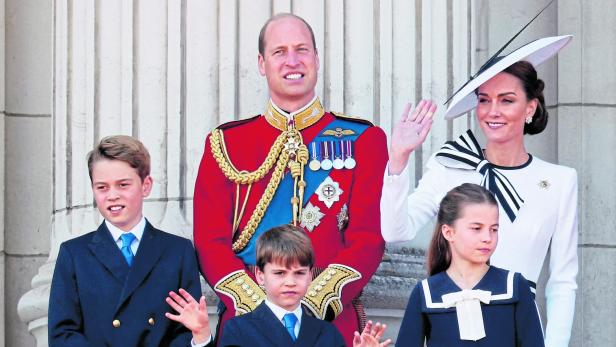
<point>465,153</point>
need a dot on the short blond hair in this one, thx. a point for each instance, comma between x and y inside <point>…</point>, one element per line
<point>123,148</point>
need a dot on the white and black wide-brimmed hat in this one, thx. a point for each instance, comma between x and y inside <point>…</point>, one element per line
<point>535,52</point>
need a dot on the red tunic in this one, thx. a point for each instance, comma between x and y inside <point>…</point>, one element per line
<point>360,248</point>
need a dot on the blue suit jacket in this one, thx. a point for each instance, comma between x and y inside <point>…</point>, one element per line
<point>261,328</point>
<point>92,286</point>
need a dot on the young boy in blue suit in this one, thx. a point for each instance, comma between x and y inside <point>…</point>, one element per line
<point>284,262</point>
<point>109,286</point>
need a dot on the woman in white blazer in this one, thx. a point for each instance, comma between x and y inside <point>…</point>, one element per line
<point>537,199</point>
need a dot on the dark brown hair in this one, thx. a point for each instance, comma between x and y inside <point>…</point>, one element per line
<point>123,148</point>
<point>439,252</point>
<point>280,16</point>
<point>285,244</point>
<point>533,87</point>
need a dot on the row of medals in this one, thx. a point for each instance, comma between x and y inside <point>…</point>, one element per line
<point>322,153</point>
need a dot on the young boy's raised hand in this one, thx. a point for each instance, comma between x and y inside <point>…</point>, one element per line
<point>192,314</point>
<point>371,335</point>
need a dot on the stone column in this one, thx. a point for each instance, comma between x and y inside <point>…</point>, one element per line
<point>28,142</point>
<point>587,138</point>
<point>2,175</point>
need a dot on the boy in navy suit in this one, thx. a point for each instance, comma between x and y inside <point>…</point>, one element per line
<point>109,286</point>
<point>284,262</point>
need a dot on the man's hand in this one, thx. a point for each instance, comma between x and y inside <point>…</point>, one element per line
<point>192,314</point>
<point>371,335</point>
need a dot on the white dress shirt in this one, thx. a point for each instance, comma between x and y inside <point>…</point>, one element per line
<point>137,230</point>
<point>279,312</point>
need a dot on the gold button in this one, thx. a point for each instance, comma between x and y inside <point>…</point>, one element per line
<point>322,282</point>
<point>116,323</point>
<point>151,321</point>
<point>239,281</point>
<point>249,292</point>
<point>332,272</point>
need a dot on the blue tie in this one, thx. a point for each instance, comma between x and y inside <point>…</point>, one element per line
<point>127,240</point>
<point>289,322</point>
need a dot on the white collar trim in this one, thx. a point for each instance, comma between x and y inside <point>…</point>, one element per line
<point>505,296</point>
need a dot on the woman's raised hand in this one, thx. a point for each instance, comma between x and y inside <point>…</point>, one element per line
<point>409,133</point>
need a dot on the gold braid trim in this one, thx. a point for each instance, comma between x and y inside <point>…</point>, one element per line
<point>325,291</point>
<point>287,144</point>
<point>244,292</point>
<point>220,154</point>
<point>259,212</point>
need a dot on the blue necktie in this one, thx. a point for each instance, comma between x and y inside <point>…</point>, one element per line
<point>289,322</point>
<point>127,240</point>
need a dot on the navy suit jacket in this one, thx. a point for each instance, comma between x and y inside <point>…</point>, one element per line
<point>93,286</point>
<point>262,328</point>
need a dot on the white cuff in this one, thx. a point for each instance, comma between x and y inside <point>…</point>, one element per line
<point>404,173</point>
<point>394,206</point>
<point>202,344</point>
<point>560,312</point>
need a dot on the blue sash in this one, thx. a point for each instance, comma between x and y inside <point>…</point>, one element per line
<point>279,210</point>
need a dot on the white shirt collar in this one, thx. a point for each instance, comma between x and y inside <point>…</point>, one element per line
<point>137,230</point>
<point>279,312</point>
<point>292,114</point>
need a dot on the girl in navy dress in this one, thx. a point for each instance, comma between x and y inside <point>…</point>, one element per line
<point>465,301</point>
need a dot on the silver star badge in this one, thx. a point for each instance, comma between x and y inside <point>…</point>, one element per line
<point>329,192</point>
<point>311,217</point>
<point>291,146</point>
<point>343,217</point>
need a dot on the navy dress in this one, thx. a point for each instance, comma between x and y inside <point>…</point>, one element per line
<point>510,319</point>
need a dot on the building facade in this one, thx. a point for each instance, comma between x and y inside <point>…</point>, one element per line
<point>168,71</point>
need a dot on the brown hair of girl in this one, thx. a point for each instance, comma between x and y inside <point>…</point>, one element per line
<point>439,252</point>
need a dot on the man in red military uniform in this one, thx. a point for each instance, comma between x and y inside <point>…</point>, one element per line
<point>295,164</point>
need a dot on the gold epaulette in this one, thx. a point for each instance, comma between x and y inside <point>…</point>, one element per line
<point>352,119</point>
<point>244,292</point>
<point>325,291</point>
